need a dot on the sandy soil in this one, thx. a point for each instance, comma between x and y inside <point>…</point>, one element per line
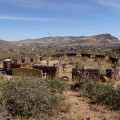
<point>82,109</point>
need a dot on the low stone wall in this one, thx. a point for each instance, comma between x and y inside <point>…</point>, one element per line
<point>26,72</point>
<point>71,54</point>
<point>44,58</point>
<point>114,59</point>
<point>100,56</point>
<point>23,60</point>
<point>19,61</point>
<point>15,60</point>
<point>31,59</point>
<point>86,55</point>
<point>17,65</point>
<point>78,73</point>
<point>58,55</point>
<point>50,71</point>
<point>113,74</point>
<point>7,65</point>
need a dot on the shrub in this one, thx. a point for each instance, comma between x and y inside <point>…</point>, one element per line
<point>24,96</point>
<point>112,53</point>
<point>104,93</point>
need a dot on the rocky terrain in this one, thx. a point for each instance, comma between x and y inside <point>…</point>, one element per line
<point>5,45</point>
<point>102,40</point>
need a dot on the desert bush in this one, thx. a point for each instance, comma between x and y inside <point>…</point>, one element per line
<point>78,63</point>
<point>96,59</point>
<point>112,53</point>
<point>84,59</point>
<point>105,93</point>
<point>71,62</point>
<point>23,96</point>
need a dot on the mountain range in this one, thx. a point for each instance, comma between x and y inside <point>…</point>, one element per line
<point>101,40</point>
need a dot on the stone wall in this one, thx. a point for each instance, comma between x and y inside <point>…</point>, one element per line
<point>50,71</point>
<point>78,73</point>
<point>26,72</point>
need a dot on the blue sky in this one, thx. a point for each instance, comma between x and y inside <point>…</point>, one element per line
<point>22,19</point>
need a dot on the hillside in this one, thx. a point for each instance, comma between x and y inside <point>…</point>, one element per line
<point>4,45</point>
<point>102,40</point>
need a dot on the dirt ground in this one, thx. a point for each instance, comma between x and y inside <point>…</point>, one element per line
<point>81,109</point>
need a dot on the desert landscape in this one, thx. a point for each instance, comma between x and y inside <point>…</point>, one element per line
<point>86,80</point>
<point>59,60</point>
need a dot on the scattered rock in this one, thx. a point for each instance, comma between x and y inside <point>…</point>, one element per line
<point>87,118</point>
<point>76,103</point>
<point>77,89</point>
<point>104,119</point>
<point>105,79</point>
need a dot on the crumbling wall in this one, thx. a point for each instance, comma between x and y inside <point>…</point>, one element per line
<point>44,58</point>
<point>51,71</point>
<point>71,54</point>
<point>23,60</point>
<point>17,65</point>
<point>15,60</point>
<point>78,73</point>
<point>7,65</point>
<point>86,55</point>
<point>113,74</point>
<point>114,59</point>
<point>26,72</point>
<point>31,59</point>
<point>100,56</point>
<point>109,73</point>
<point>58,55</point>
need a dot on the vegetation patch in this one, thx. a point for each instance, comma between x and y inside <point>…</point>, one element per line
<point>23,96</point>
<point>104,94</point>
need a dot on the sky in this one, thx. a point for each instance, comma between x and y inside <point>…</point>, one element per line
<point>23,19</point>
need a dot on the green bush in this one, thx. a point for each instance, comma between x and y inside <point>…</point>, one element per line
<point>112,53</point>
<point>105,93</point>
<point>23,96</point>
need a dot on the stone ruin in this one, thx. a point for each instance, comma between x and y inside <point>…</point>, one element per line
<point>53,71</point>
<point>27,72</point>
<point>71,54</point>
<point>113,74</point>
<point>78,73</point>
<point>100,56</point>
<point>17,65</point>
<point>44,58</point>
<point>15,61</point>
<point>86,55</point>
<point>49,71</point>
<point>8,64</point>
<point>57,55</point>
<point>114,60</point>
<point>23,60</point>
<point>31,59</point>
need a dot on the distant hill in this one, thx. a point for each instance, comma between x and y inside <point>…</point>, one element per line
<point>102,40</point>
<point>48,40</point>
<point>4,45</point>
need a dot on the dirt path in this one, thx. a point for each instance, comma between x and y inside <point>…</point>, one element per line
<point>81,109</point>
